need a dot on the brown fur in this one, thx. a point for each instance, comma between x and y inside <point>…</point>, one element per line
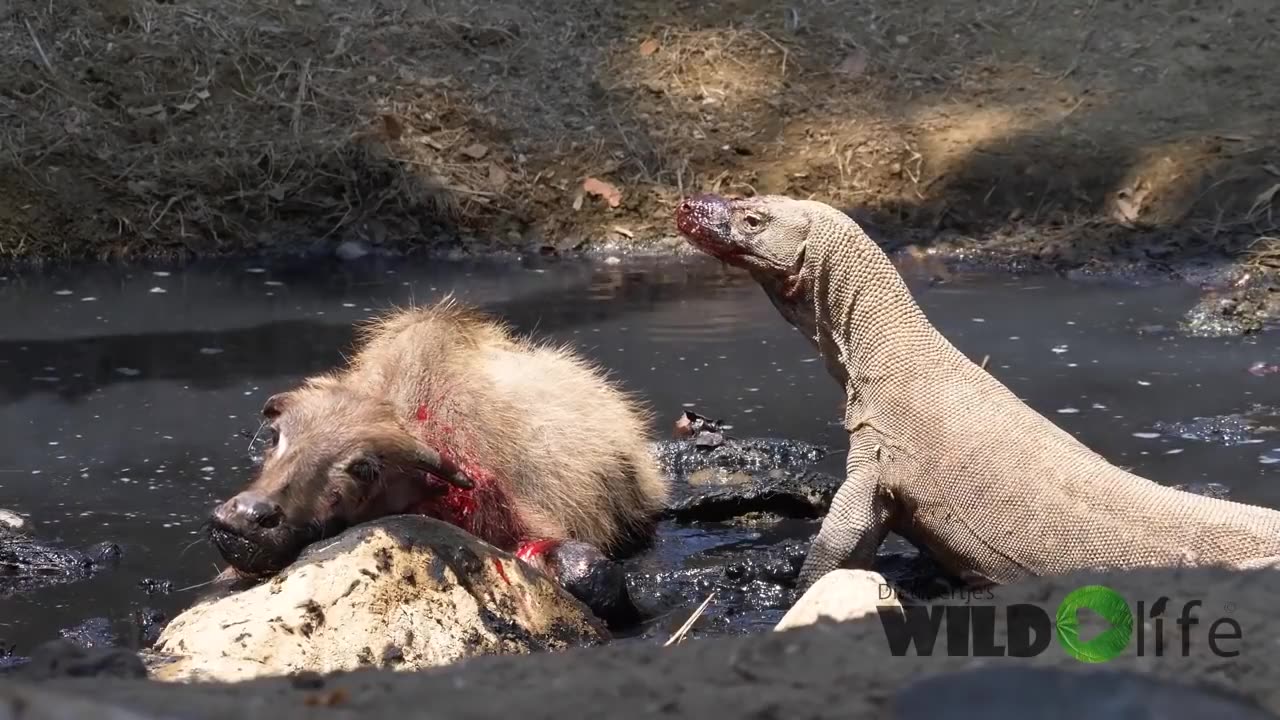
<point>557,450</point>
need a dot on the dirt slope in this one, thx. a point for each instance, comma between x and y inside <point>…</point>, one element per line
<point>1075,130</point>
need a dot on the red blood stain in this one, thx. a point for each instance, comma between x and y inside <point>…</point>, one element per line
<point>529,550</point>
<point>497,565</point>
<point>484,510</point>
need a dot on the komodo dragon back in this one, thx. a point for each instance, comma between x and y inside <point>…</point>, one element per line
<point>941,452</point>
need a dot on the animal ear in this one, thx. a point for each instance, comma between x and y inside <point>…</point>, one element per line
<point>428,459</point>
<point>275,405</point>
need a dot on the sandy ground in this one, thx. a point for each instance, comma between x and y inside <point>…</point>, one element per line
<point>1077,132</point>
<point>824,671</point>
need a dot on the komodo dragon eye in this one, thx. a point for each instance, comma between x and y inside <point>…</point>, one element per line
<point>753,221</point>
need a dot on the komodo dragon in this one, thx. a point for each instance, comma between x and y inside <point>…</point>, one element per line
<point>940,452</point>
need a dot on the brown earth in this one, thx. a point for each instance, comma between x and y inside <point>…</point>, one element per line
<point>1074,131</point>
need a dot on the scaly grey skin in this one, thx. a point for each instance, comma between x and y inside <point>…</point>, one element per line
<point>940,452</point>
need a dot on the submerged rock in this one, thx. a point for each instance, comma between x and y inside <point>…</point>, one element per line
<point>700,443</point>
<point>1212,489</point>
<point>28,564</point>
<point>1233,429</point>
<point>681,457</point>
<point>92,633</point>
<point>718,496</point>
<point>1240,310</point>
<point>404,592</point>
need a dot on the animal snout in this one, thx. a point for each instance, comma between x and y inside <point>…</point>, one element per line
<point>247,512</point>
<point>703,215</point>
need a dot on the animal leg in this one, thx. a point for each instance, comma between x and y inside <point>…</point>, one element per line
<point>856,524</point>
<point>587,574</point>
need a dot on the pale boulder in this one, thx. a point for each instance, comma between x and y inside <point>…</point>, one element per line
<point>840,595</point>
<point>404,592</point>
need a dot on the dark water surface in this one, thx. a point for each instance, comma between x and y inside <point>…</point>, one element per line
<point>125,397</point>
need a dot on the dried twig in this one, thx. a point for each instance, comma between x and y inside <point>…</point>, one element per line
<point>303,76</point>
<point>678,637</point>
<point>48,65</point>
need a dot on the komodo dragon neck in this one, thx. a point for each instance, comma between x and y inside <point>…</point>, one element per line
<point>869,328</point>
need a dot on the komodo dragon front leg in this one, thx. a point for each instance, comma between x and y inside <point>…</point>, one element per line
<point>857,522</point>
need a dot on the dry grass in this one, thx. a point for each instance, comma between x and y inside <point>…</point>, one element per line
<point>179,127</point>
<point>205,127</point>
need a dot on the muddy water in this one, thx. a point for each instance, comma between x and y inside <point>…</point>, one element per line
<point>127,399</point>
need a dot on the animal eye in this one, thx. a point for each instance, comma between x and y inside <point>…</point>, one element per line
<point>273,436</point>
<point>363,470</point>
<point>753,221</point>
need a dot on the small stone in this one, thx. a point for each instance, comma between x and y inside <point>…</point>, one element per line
<point>840,595</point>
<point>350,250</point>
<point>14,522</point>
<point>475,151</point>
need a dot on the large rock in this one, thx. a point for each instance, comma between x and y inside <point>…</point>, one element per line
<point>404,592</point>
<point>840,595</point>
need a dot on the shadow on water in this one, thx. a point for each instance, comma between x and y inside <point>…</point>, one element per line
<point>305,334</point>
<point>125,397</point>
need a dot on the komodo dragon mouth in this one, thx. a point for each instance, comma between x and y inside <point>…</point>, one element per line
<point>704,219</point>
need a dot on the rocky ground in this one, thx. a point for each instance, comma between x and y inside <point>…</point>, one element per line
<point>818,671</point>
<point>1081,134</point>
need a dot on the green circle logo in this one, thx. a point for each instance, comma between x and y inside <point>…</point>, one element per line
<point>1108,604</point>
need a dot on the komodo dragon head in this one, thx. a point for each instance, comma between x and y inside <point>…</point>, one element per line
<point>767,236</point>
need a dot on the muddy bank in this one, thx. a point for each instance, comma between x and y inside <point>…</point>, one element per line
<point>1043,133</point>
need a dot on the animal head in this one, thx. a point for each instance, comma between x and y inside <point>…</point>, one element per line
<point>335,458</point>
<point>767,236</point>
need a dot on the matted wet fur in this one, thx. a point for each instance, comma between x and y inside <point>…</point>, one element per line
<point>555,449</point>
